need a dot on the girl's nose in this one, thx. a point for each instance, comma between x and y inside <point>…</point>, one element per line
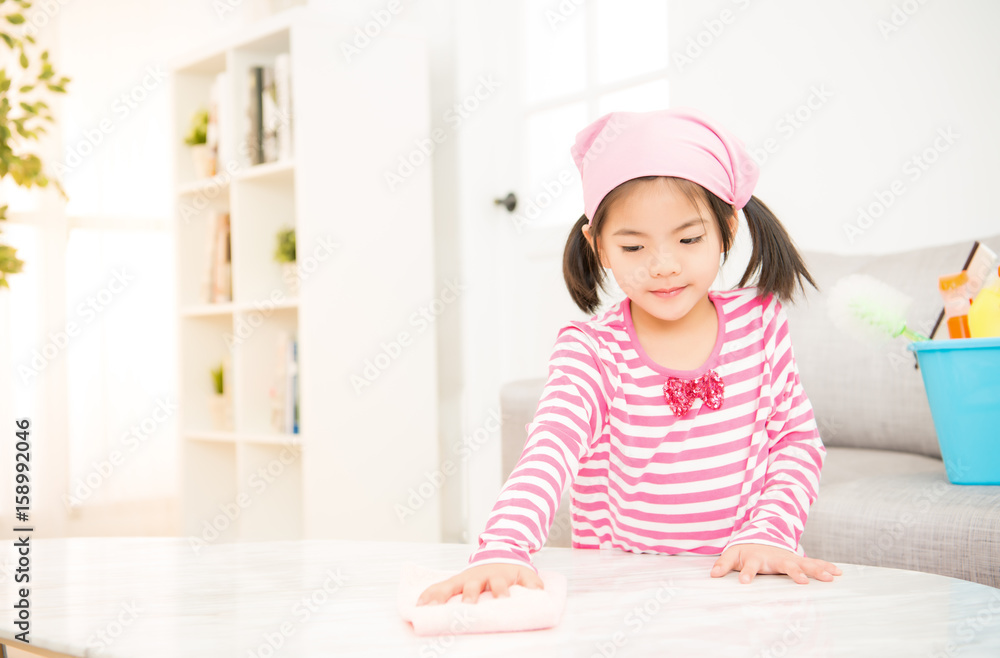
<point>663,264</point>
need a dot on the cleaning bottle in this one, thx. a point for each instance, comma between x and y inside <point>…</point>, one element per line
<point>984,315</point>
<point>956,304</point>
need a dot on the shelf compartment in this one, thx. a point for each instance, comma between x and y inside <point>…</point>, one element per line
<point>204,343</point>
<point>196,234</point>
<point>257,334</point>
<point>271,476</point>
<point>211,509</point>
<point>262,206</point>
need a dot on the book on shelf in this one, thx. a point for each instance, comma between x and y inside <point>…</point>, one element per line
<point>217,284</point>
<point>283,94</point>
<point>255,125</point>
<point>269,116</point>
<point>284,391</point>
<point>269,112</point>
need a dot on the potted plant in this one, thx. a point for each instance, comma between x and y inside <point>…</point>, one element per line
<point>197,139</point>
<point>284,253</point>
<point>25,85</point>
<point>218,404</point>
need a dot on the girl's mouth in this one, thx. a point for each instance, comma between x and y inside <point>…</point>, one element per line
<point>668,292</point>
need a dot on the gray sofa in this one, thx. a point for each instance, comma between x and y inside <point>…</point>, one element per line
<point>884,497</point>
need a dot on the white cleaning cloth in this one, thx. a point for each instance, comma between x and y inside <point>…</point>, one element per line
<point>526,609</point>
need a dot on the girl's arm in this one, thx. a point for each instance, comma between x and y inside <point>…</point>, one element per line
<point>795,452</point>
<point>569,418</point>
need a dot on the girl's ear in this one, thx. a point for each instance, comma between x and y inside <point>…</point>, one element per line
<point>734,222</point>
<point>590,241</point>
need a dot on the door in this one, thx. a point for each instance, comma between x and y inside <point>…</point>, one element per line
<point>551,68</point>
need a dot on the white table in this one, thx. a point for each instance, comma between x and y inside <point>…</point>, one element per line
<point>155,597</point>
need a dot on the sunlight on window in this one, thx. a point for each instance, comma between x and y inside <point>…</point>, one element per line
<point>555,57</point>
<point>582,67</point>
<point>121,366</point>
<point>24,306</point>
<point>643,98</point>
<point>631,38</point>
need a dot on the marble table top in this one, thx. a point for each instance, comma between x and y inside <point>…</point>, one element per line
<point>154,597</point>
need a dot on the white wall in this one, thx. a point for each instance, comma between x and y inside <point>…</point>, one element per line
<point>887,91</point>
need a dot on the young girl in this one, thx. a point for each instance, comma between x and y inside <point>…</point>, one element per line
<point>677,415</point>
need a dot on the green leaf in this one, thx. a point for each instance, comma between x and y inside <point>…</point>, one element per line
<point>4,84</point>
<point>7,39</point>
<point>57,88</point>
<point>15,19</point>
<point>26,88</point>
<point>45,55</point>
<point>29,38</point>
<point>24,60</point>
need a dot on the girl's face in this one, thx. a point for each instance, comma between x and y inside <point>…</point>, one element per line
<point>662,249</point>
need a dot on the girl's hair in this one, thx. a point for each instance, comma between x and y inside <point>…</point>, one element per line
<point>775,261</point>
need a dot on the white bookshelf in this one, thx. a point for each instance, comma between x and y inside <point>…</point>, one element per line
<point>356,455</point>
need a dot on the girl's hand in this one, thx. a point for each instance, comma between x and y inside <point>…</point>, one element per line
<point>752,559</point>
<point>496,577</point>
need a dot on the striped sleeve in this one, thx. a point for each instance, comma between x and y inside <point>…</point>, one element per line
<point>795,451</point>
<point>569,418</point>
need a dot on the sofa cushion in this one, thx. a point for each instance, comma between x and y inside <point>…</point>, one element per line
<point>518,403</point>
<point>870,395</point>
<point>887,509</point>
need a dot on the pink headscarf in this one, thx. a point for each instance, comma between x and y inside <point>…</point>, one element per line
<point>683,143</point>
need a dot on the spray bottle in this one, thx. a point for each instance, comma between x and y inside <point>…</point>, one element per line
<point>984,315</point>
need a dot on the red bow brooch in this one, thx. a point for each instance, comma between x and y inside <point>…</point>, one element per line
<point>680,393</point>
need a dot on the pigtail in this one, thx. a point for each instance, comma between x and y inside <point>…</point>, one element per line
<point>775,260</point>
<point>582,270</point>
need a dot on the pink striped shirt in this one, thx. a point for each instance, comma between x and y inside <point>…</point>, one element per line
<point>647,481</point>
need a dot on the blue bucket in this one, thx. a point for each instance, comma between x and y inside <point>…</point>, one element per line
<point>962,380</point>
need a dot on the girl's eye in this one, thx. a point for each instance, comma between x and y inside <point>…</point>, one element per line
<point>631,248</point>
<point>692,240</point>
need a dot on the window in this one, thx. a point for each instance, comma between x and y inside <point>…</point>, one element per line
<point>583,60</point>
